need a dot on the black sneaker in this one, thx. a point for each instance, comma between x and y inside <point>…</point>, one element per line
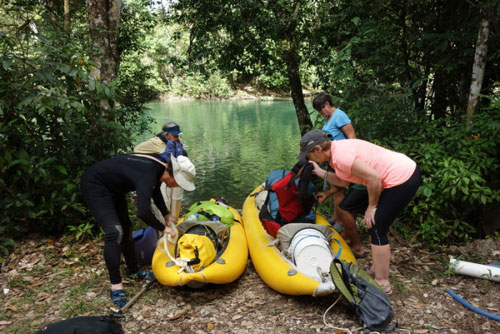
<point>143,275</point>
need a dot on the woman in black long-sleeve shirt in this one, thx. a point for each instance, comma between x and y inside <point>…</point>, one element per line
<point>104,187</point>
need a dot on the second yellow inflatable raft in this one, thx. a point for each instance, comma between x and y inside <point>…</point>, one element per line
<point>274,267</point>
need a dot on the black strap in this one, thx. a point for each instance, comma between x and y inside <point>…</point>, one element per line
<point>196,259</point>
<point>209,215</point>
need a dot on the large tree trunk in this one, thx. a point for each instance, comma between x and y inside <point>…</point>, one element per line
<point>66,16</point>
<point>292,63</point>
<point>480,59</point>
<point>286,28</point>
<point>104,19</point>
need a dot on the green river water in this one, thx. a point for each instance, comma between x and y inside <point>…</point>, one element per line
<point>233,144</point>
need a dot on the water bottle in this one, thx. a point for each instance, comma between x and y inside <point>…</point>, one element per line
<point>193,217</point>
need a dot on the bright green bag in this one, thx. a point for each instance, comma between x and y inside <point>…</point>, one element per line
<point>209,210</point>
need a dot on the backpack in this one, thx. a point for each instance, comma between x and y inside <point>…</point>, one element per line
<point>364,294</point>
<point>289,199</point>
<point>84,325</point>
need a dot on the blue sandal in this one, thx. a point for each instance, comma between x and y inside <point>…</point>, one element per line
<point>339,228</point>
<point>143,275</point>
<point>118,297</point>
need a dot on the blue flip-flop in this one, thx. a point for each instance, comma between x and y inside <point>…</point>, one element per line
<point>339,228</point>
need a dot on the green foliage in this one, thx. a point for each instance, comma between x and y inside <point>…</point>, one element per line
<point>5,244</point>
<point>55,122</point>
<point>82,231</point>
<point>423,50</point>
<point>195,85</point>
<point>459,164</point>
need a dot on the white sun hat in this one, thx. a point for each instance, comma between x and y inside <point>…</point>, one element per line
<point>184,172</point>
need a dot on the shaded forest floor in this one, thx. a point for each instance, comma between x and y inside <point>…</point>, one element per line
<point>48,280</point>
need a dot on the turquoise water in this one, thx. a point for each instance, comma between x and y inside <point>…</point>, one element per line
<point>233,144</point>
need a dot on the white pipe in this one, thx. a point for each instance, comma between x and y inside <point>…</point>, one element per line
<point>475,270</point>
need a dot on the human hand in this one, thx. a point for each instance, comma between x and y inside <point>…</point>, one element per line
<point>316,169</point>
<point>171,232</point>
<point>170,229</point>
<point>170,220</point>
<point>370,216</point>
<point>320,197</point>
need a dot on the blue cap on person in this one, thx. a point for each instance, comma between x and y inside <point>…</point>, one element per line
<point>172,128</point>
<point>309,140</point>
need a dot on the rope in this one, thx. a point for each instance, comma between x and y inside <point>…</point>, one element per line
<point>342,330</point>
<point>182,263</point>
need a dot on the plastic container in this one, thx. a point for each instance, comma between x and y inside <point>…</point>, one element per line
<point>193,217</point>
<point>491,273</point>
<point>311,253</point>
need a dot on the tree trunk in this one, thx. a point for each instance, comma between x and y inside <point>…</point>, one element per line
<point>292,64</point>
<point>480,59</point>
<point>286,27</point>
<point>104,19</point>
<point>66,16</point>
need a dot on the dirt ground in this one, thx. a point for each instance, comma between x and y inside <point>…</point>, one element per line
<point>48,280</point>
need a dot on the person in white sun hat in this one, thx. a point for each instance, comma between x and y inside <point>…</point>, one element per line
<point>104,187</point>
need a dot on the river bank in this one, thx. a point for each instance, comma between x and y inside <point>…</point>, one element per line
<point>243,93</point>
<point>47,280</point>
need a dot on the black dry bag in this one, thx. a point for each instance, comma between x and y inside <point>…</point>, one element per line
<point>84,325</point>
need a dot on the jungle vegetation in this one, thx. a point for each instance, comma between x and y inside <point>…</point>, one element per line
<point>421,77</point>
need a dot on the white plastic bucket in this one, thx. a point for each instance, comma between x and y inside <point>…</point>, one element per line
<point>311,253</point>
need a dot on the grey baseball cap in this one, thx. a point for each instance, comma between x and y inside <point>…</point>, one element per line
<point>309,140</point>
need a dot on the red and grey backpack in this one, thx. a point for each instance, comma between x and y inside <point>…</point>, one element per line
<point>290,199</point>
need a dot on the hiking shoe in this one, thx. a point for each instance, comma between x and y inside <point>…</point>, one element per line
<point>118,297</point>
<point>142,275</point>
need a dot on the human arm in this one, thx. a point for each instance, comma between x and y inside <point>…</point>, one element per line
<point>348,131</point>
<point>373,185</point>
<point>322,196</point>
<point>170,222</point>
<point>328,176</point>
<point>148,188</point>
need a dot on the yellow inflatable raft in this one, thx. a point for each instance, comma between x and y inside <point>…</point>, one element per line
<point>275,269</point>
<point>229,263</point>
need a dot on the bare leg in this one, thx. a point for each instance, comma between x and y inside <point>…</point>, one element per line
<point>381,256</point>
<point>351,231</point>
<point>337,198</point>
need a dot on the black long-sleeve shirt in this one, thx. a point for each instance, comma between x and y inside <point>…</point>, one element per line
<point>121,174</point>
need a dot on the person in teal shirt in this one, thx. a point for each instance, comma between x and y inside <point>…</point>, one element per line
<point>338,126</point>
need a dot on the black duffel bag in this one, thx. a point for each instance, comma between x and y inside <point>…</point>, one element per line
<point>84,325</point>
